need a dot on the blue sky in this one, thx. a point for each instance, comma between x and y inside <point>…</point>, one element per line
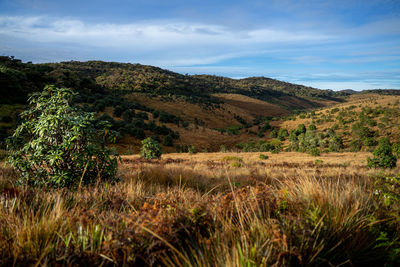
<point>331,44</point>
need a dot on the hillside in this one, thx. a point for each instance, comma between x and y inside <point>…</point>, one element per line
<point>190,102</point>
<point>355,125</point>
<point>180,111</point>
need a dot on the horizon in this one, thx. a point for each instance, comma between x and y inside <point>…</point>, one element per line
<point>335,45</point>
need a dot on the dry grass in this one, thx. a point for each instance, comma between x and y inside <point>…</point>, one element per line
<point>202,210</point>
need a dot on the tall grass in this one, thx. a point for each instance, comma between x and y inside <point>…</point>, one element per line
<point>201,211</point>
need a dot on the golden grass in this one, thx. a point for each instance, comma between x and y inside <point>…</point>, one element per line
<point>199,210</point>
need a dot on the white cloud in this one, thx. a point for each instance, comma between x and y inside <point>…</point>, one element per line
<point>196,43</point>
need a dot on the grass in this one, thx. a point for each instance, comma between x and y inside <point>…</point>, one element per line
<point>198,210</point>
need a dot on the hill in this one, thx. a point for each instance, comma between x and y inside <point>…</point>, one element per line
<point>204,111</point>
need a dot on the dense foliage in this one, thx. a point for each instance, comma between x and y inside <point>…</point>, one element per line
<point>58,145</point>
<point>151,149</point>
<point>383,155</point>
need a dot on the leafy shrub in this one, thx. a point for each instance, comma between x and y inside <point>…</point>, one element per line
<point>155,114</point>
<point>277,146</point>
<point>383,155</point>
<point>282,134</point>
<point>396,149</point>
<point>318,162</point>
<point>355,145</point>
<point>370,141</point>
<point>58,144</point>
<point>151,149</point>
<point>301,128</point>
<point>168,140</point>
<point>118,110</point>
<point>192,149</point>
<point>99,106</point>
<point>335,143</point>
<point>273,134</point>
<point>263,156</point>
<point>314,151</point>
<point>312,127</point>
<point>128,115</point>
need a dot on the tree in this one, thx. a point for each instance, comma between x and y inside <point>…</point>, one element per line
<point>335,143</point>
<point>383,155</point>
<point>301,129</point>
<point>312,127</point>
<point>151,149</point>
<point>168,140</point>
<point>58,144</point>
<point>273,134</point>
<point>396,149</point>
<point>282,134</point>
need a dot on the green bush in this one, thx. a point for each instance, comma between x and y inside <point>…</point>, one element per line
<point>312,127</point>
<point>273,134</point>
<point>277,146</point>
<point>396,149</point>
<point>60,145</point>
<point>335,143</point>
<point>383,155</point>
<point>168,140</point>
<point>301,128</point>
<point>262,156</point>
<point>314,151</point>
<point>318,162</point>
<point>151,149</point>
<point>282,134</point>
<point>192,149</point>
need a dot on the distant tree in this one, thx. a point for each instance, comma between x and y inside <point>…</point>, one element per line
<point>314,151</point>
<point>335,143</point>
<point>277,146</point>
<point>301,129</point>
<point>312,127</point>
<point>273,134</point>
<point>383,155</point>
<point>396,149</point>
<point>192,149</point>
<point>128,115</point>
<point>155,114</point>
<point>293,136</point>
<point>99,106</point>
<point>168,140</point>
<point>118,110</point>
<point>282,134</point>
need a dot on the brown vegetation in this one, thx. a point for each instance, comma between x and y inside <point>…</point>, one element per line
<point>212,209</point>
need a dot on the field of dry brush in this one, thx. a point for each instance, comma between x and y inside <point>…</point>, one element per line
<point>206,209</point>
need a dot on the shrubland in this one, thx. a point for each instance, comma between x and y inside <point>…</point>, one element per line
<point>226,209</point>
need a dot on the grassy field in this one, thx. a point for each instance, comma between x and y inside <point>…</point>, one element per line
<point>207,209</point>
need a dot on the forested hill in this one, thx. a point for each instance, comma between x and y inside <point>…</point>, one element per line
<point>18,79</point>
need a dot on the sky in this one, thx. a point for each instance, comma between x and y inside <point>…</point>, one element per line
<point>327,44</point>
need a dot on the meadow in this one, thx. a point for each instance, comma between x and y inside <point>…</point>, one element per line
<point>208,209</point>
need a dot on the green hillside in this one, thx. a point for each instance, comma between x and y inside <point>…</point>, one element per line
<point>18,79</point>
<point>178,110</point>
